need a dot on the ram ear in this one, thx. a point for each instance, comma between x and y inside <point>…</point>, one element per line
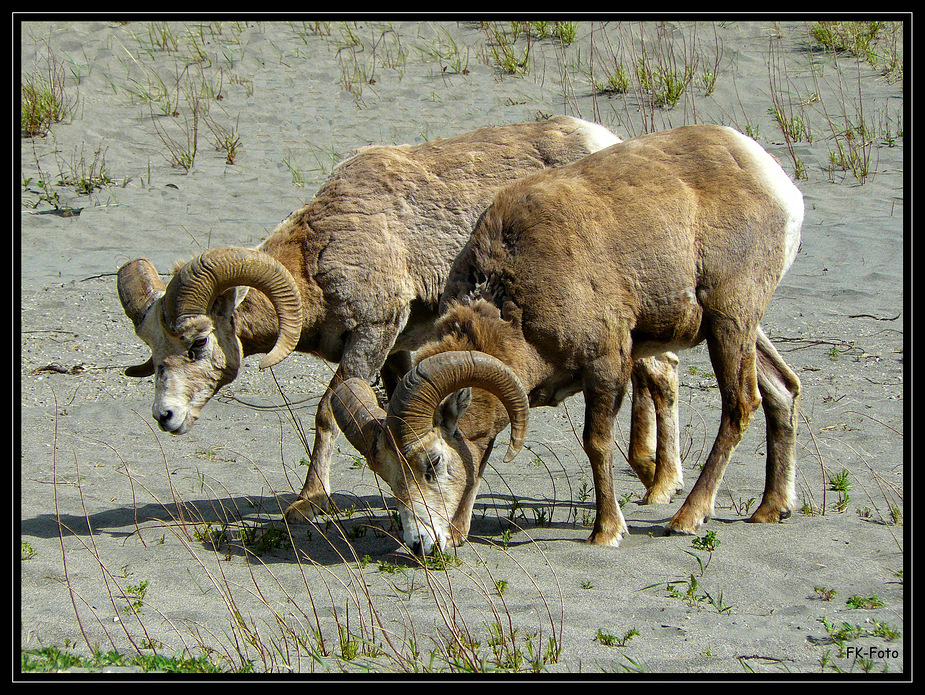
<point>451,409</point>
<point>228,301</point>
<point>141,370</point>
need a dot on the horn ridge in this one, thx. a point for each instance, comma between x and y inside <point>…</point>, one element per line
<point>358,415</point>
<point>412,407</point>
<point>196,285</point>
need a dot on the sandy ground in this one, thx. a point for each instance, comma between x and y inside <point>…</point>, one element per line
<point>132,539</point>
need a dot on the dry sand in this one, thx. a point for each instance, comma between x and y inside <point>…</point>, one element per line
<point>115,513</point>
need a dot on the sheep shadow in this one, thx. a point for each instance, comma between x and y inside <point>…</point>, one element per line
<point>358,527</point>
<point>238,526</point>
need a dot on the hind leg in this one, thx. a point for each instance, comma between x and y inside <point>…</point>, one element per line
<point>653,446</point>
<point>732,352</point>
<point>780,392</point>
<point>643,438</point>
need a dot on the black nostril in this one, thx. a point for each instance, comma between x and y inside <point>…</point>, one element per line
<point>164,417</point>
<point>418,549</point>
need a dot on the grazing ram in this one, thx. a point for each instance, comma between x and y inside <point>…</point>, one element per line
<point>654,244</point>
<point>355,276</point>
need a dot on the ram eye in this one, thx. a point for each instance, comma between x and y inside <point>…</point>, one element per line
<point>432,468</point>
<point>196,347</point>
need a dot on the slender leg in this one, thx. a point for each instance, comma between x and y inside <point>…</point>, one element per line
<point>314,495</point>
<point>643,426</point>
<point>780,397</point>
<point>601,405</point>
<point>736,374</point>
<point>654,453</point>
<point>364,355</point>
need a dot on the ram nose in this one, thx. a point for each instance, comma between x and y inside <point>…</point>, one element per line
<point>171,421</point>
<point>424,541</point>
<point>424,545</point>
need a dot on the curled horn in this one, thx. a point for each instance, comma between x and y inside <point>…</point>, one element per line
<point>195,286</point>
<point>139,285</point>
<point>358,414</point>
<point>411,411</point>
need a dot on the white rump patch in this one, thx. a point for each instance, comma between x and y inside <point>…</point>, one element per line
<point>596,136</point>
<point>790,197</point>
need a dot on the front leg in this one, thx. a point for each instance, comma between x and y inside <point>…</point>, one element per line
<point>364,355</point>
<point>315,495</point>
<point>601,405</point>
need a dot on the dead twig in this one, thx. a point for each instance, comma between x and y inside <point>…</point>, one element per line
<point>876,318</point>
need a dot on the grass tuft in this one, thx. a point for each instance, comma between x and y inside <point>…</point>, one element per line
<point>44,100</point>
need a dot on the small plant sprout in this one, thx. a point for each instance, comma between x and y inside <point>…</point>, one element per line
<point>840,482</point>
<point>226,140</point>
<point>846,632</point>
<point>856,38</point>
<point>708,542</point>
<point>742,506</point>
<point>86,177</point>
<point>896,515</point>
<point>44,100</point>
<point>135,596</point>
<point>27,552</point>
<point>872,601</point>
<point>609,640</point>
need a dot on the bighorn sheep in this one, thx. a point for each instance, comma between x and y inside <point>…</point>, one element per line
<point>355,276</point>
<point>654,244</point>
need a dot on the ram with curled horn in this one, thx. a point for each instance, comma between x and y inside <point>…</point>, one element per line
<point>355,276</point>
<point>573,278</point>
<point>435,390</point>
<point>190,325</point>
